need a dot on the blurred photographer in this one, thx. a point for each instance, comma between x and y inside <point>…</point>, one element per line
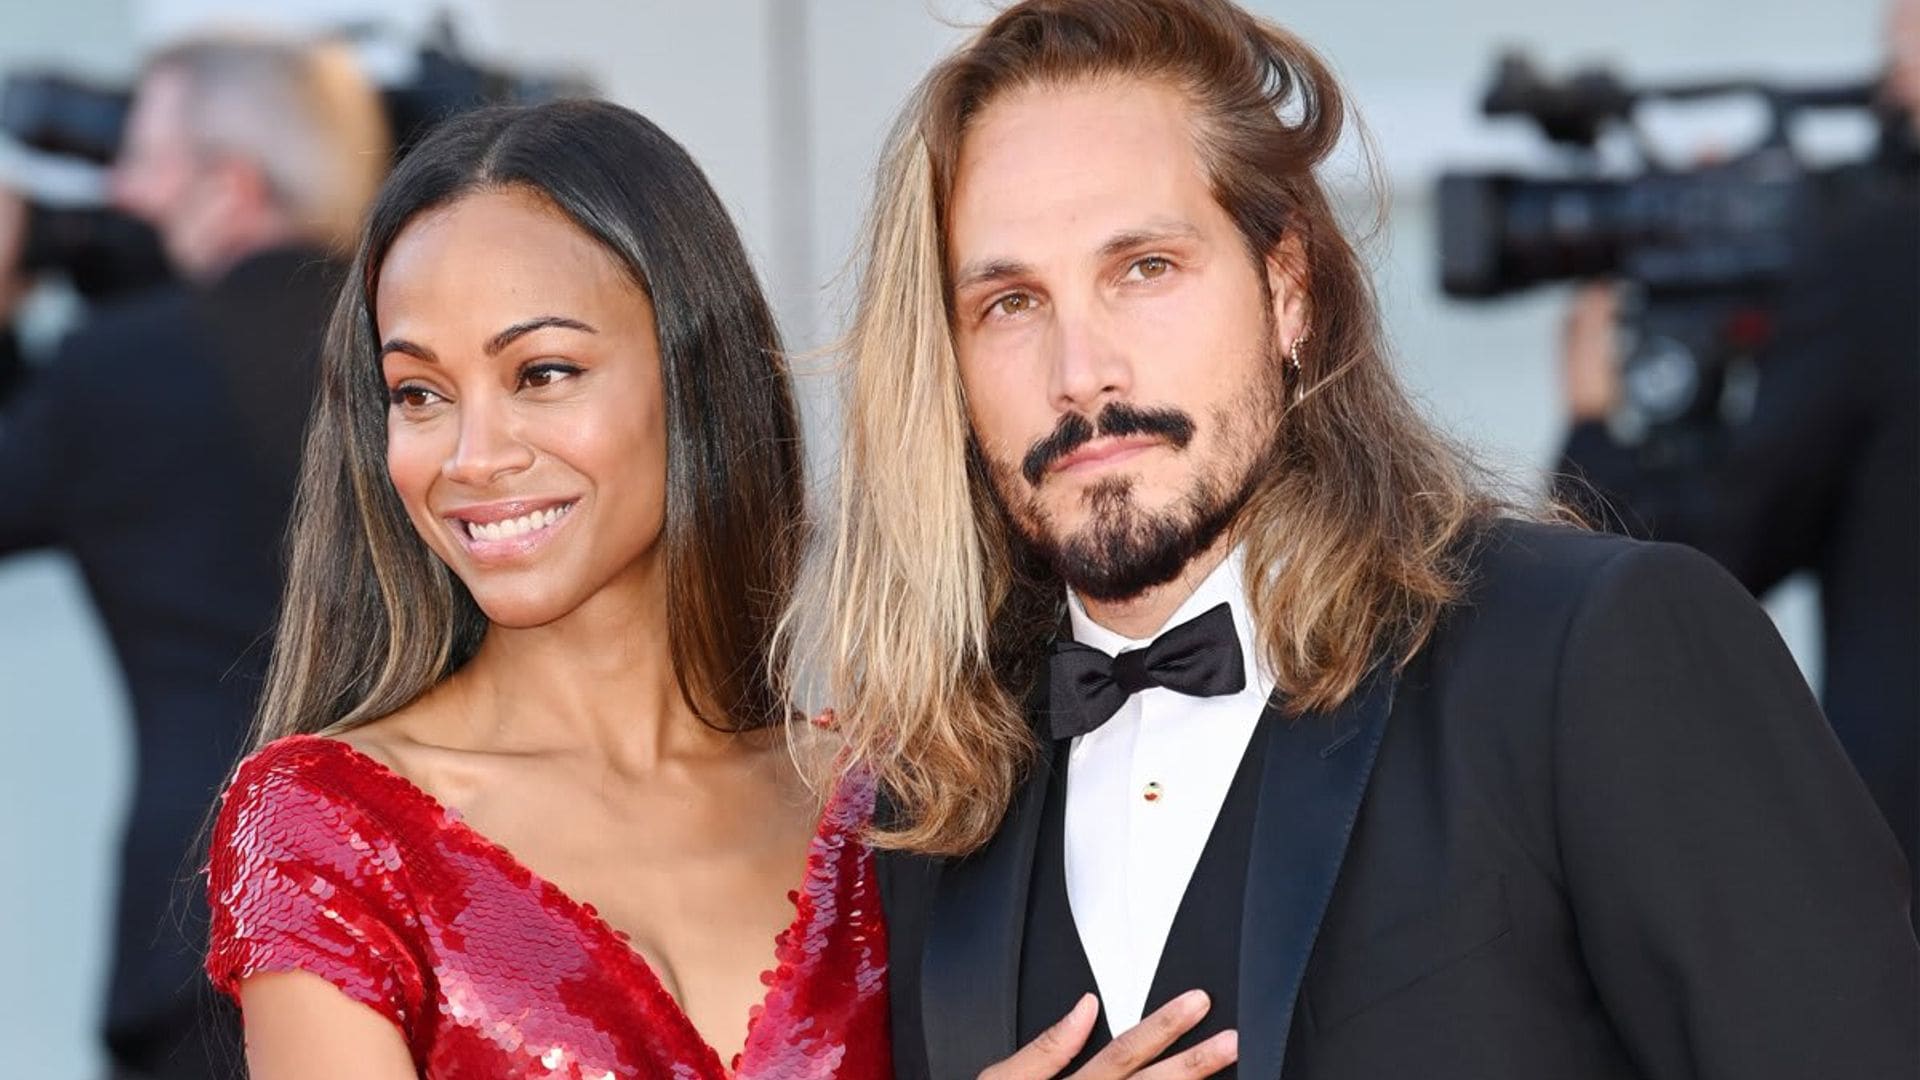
<point>1823,471</point>
<point>159,447</point>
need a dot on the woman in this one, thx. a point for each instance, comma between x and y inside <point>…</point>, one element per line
<point>524,802</point>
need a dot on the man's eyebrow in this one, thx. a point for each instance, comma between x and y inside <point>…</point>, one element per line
<point>527,326</point>
<point>984,271</point>
<point>1158,232</point>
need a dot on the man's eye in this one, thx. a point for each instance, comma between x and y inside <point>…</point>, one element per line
<point>1013,304</point>
<point>408,396</point>
<point>1151,267</point>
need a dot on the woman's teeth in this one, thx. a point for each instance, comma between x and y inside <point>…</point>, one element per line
<point>520,526</point>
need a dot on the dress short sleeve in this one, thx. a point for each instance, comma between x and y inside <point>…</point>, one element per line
<point>302,879</point>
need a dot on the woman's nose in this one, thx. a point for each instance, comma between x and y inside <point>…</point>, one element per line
<point>489,446</point>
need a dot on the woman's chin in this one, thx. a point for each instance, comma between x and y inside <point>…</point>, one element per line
<point>523,611</point>
<point>526,598</point>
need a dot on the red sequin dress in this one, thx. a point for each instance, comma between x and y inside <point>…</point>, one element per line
<point>325,861</point>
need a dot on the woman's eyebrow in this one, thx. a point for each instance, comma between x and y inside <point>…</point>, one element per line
<point>527,326</point>
<point>408,348</point>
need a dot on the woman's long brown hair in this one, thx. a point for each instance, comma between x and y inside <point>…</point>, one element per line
<point>371,618</point>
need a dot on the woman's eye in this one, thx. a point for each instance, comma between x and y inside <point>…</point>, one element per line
<point>1151,267</point>
<point>542,375</point>
<point>408,396</point>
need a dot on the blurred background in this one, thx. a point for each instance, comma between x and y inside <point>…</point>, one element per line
<point>784,102</point>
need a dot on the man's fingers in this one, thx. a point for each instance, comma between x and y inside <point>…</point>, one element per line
<point>1048,1053</point>
<point>1595,302</point>
<point>1126,1056</point>
<point>1204,1060</point>
<point>1590,361</point>
<point>1144,1041</point>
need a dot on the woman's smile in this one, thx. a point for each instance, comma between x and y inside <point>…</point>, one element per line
<point>508,531</point>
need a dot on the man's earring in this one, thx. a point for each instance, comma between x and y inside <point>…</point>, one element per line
<point>1293,362</point>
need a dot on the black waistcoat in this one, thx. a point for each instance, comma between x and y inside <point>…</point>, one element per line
<point>1203,945</point>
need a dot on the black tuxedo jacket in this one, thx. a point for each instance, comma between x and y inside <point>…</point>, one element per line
<point>159,449</point>
<point>1596,829</point>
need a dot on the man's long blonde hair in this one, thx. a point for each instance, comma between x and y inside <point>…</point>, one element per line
<point>922,617</point>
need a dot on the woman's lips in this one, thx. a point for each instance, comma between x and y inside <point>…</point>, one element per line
<point>508,530</point>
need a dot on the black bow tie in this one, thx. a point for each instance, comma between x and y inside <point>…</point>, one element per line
<point>1200,658</point>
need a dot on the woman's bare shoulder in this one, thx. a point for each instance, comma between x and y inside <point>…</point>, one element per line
<point>414,741</point>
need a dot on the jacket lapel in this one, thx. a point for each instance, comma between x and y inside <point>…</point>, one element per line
<point>1315,776</point>
<point>970,970</point>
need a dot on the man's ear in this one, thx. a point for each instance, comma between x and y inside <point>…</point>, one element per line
<point>1289,286</point>
<point>239,193</point>
<point>245,183</point>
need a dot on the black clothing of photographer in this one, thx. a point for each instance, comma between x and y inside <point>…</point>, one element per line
<point>1823,475</point>
<point>159,447</point>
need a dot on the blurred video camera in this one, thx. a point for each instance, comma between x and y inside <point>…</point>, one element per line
<point>1704,248</point>
<point>103,251</point>
<point>98,249</point>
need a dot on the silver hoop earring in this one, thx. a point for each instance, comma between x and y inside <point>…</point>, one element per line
<point>1293,363</point>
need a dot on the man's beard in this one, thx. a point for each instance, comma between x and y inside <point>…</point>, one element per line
<point>1123,550</point>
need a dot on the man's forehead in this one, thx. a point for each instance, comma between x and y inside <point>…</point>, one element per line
<point>1070,166</point>
<point>166,82</point>
<point>162,95</point>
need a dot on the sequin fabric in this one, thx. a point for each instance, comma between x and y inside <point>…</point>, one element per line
<point>325,861</point>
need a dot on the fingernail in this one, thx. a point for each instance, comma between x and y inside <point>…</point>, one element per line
<point>1087,1003</point>
<point>1194,1002</point>
<point>1230,1043</point>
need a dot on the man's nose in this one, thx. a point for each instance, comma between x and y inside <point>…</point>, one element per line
<point>1089,365</point>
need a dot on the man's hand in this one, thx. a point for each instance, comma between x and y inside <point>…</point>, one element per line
<point>13,241</point>
<point>1590,373</point>
<point>1127,1056</point>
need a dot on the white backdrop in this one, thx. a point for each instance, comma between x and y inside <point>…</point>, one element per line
<point>784,103</point>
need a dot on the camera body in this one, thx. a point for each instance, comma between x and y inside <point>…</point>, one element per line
<point>98,249</point>
<point>1704,250</point>
<point>103,252</point>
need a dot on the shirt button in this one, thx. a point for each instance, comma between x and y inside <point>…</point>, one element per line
<point>1151,792</point>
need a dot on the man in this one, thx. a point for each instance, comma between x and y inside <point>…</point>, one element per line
<point>1824,473</point>
<point>1199,662</point>
<point>160,448</point>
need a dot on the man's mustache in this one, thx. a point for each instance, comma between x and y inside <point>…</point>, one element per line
<point>1117,420</point>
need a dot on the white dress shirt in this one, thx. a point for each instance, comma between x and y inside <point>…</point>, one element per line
<point>1142,794</point>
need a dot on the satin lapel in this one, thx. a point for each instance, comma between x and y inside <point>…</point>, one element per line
<point>970,971</point>
<point>1310,791</point>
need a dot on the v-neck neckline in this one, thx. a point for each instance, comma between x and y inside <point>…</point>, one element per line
<point>588,918</point>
